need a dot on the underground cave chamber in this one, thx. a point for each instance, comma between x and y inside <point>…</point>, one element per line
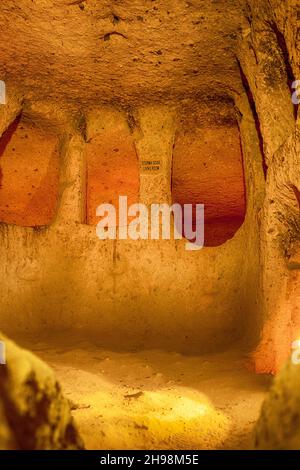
<point>154,346</point>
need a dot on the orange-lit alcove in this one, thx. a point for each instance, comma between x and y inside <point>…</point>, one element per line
<point>112,170</point>
<point>208,169</point>
<point>29,164</point>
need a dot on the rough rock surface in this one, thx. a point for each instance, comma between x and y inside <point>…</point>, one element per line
<point>269,59</point>
<point>121,51</point>
<point>278,427</point>
<point>33,412</point>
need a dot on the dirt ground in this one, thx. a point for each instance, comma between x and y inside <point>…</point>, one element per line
<point>154,399</point>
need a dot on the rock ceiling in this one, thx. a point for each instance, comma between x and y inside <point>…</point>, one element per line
<point>87,51</point>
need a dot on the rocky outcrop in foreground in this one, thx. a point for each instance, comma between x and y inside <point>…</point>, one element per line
<point>33,412</point>
<point>278,427</point>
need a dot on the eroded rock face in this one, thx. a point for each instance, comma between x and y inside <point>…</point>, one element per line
<point>33,412</point>
<point>279,425</point>
<point>269,58</point>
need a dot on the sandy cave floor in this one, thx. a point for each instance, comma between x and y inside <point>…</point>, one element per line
<point>154,399</point>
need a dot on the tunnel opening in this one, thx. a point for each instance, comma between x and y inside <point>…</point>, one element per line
<point>29,161</point>
<point>208,169</point>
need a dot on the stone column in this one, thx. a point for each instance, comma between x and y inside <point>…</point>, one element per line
<point>279,236</point>
<point>262,62</point>
<point>72,201</point>
<point>154,145</point>
<point>264,69</point>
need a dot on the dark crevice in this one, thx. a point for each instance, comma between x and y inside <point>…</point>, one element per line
<point>255,116</point>
<point>5,139</point>
<point>107,36</point>
<point>8,134</point>
<point>285,54</point>
<point>115,18</point>
<point>76,2</point>
<point>244,174</point>
<point>297,194</point>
